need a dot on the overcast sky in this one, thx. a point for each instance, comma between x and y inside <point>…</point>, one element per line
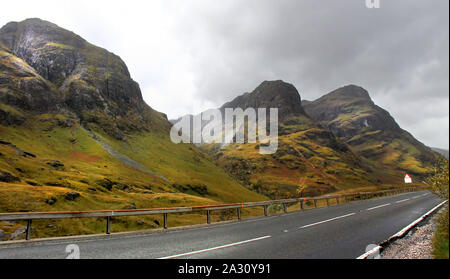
<point>189,56</point>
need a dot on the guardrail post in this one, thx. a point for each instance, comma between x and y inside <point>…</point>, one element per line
<point>239,214</point>
<point>328,202</point>
<point>315,203</point>
<point>28,235</point>
<point>108,225</point>
<point>165,220</point>
<point>265,210</point>
<point>208,217</point>
<point>284,208</point>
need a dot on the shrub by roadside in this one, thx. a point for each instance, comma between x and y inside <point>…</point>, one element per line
<point>440,238</point>
<point>440,185</point>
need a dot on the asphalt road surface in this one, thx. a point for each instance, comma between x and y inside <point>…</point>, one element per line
<point>341,231</point>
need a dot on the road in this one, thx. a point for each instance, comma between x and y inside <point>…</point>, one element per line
<point>341,231</point>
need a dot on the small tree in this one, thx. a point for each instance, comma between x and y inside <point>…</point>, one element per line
<point>439,180</point>
<point>301,186</point>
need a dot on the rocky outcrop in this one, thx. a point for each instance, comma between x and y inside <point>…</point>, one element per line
<point>7,177</point>
<point>71,196</point>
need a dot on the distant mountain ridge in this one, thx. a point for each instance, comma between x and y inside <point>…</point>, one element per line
<point>443,152</point>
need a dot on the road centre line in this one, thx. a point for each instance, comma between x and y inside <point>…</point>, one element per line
<point>216,248</point>
<point>375,207</point>
<point>402,200</point>
<point>325,221</point>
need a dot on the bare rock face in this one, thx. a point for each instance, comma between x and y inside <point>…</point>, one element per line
<point>46,68</point>
<point>22,87</point>
<point>271,94</point>
<point>7,177</point>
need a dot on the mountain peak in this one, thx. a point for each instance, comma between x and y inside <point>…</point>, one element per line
<point>271,94</point>
<point>36,33</point>
<point>350,91</point>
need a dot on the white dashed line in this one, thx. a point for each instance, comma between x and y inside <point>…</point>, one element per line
<point>402,200</point>
<point>332,219</point>
<point>216,248</point>
<point>383,205</point>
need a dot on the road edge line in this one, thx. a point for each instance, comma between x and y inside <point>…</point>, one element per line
<point>400,233</point>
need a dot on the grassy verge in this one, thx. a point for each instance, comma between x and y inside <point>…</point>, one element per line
<point>440,238</point>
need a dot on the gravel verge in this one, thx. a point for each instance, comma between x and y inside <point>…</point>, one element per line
<point>417,244</point>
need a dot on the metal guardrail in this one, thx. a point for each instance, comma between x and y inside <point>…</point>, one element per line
<point>29,216</point>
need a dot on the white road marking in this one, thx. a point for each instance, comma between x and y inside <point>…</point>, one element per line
<point>332,219</point>
<point>375,207</point>
<point>402,200</point>
<point>216,248</point>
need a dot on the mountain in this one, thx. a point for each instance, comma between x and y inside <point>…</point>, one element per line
<point>308,155</point>
<point>271,94</point>
<point>371,131</point>
<point>72,120</point>
<point>47,68</point>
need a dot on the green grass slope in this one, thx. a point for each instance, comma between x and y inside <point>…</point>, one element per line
<point>170,174</point>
